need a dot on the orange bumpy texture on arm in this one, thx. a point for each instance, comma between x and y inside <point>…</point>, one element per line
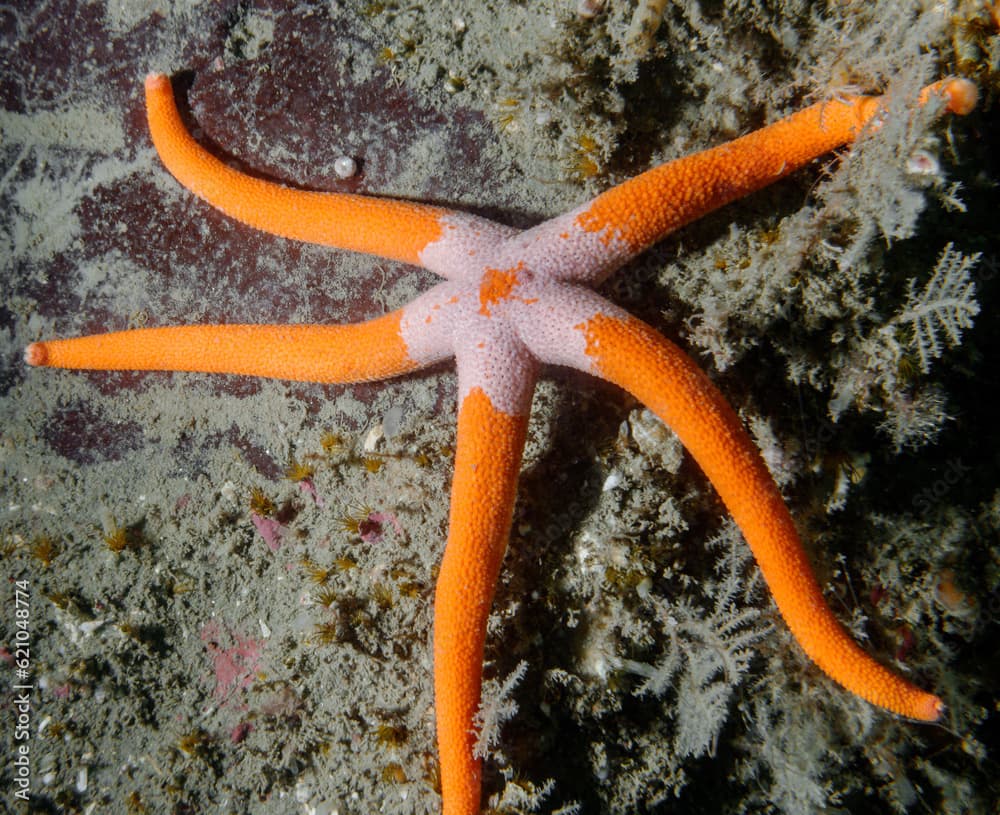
<point>487,460</point>
<point>310,353</point>
<point>390,228</point>
<point>644,209</point>
<point>639,359</point>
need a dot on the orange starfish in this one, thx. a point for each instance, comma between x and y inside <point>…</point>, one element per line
<point>511,302</point>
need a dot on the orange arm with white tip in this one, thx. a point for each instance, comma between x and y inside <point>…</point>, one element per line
<point>309,353</point>
<point>644,209</point>
<point>634,356</point>
<point>394,229</point>
<point>487,461</point>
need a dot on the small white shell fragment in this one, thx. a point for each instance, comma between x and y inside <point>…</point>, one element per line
<point>613,480</point>
<point>656,441</point>
<point>345,167</point>
<point>922,162</point>
<point>644,587</point>
<point>228,491</point>
<point>90,627</point>
<point>265,632</point>
<point>81,780</point>
<point>373,437</point>
<point>646,20</point>
<point>303,792</point>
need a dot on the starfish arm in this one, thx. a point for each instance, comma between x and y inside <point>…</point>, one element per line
<point>374,349</point>
<point>597,238</point>
<point>414,233</point>
<point>487,460</point>
<point>631,354</point>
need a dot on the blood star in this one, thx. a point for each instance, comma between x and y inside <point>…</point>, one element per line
<point>512,301</point>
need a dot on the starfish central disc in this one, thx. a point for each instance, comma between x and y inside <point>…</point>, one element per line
<point>498,285</point>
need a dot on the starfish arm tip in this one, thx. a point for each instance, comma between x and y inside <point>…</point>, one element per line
<point>961,95</point>
<point>36,354</point>
<point>930,709</point>
<point>154,80</point>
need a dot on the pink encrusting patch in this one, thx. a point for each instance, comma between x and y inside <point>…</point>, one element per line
<point>307,487</point>
<point>269,529</point>
<point>235,659</point>
<point>240,732</point>
<point>372,528</point>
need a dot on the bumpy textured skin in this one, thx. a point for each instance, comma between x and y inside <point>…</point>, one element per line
<point>313,353</point>
<point>511,302</point>
<point>678,192</point>
<point>487,461</point>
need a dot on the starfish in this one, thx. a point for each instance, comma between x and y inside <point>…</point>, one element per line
<point>513,301</point>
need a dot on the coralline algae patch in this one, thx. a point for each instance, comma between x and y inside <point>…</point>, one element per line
<point>236,660</point>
